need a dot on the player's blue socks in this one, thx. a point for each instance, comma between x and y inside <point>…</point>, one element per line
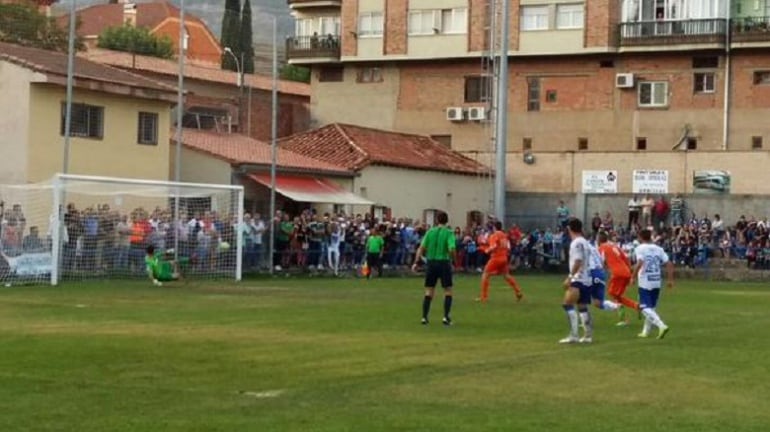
<point>447,305</point>
<point>426,306</point>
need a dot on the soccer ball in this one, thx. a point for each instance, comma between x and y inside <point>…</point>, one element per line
<point>224,246</point>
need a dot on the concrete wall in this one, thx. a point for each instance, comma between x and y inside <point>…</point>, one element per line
<point>117,154</point>
<point>408,193</point>
<point>554,172</point>
<point>15,122</point>
<point>370,104</point>
<point>198,167</point>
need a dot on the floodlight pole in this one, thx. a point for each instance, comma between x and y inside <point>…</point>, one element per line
<point>501,135</point>
<point>273,144</point>
<point>70,82</point>
<point>179,119</point>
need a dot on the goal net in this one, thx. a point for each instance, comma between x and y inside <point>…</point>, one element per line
<point>80,227</point>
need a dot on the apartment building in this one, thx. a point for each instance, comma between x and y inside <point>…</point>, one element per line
<point>625,85</point>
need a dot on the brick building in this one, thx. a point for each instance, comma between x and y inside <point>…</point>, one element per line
<point>676,85</point>
<point>214,100</point>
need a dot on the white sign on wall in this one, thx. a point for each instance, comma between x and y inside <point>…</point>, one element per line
<point>600,182</point>
<point>650,182</point>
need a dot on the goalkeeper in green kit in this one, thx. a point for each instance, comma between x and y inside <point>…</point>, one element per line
<point>159,270</point>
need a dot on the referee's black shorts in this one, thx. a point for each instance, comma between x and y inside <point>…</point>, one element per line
<point>438,270</point>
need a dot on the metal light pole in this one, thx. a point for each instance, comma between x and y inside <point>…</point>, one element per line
<point>70,82</point>
<point>273,142</point>
<point>501,135</point>
<point>179,119</point>
<point>237,67</point>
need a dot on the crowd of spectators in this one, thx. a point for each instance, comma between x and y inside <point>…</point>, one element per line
<point>99,238</point>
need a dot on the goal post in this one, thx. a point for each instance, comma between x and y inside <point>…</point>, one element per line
<point>77,227</point>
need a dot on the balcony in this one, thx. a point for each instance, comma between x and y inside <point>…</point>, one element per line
<point>304,4</point>
<point>751,29</point>
<point>673,32</point>
<point>313,49</point>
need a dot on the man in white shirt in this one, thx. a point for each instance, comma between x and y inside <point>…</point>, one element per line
<point>634,208</point>
<point>650,259</point>
<point>577,286</point>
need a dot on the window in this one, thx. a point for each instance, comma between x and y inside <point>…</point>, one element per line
<point>534,18</point>
<point>756,143</point>
<point>329,26</point>
<point>526,144</point>
<point>606,64</point>
<point>477,88</point>
<point>692,143</point>
<point>653,94</point>
<point>582,143</point>
<point>424,22</point>
<point>435,21</point>
<point>321,26</point>
<point>304,27</point>
<point>569,16</point>
<point>641,143</point>
<point>454,21</point>
<point>710,62</point>
<point>444,140</point>
<point>331,74</point>
<point>369,75</point>
<point>370,24</point>
<point>147,130</point>
<point>762,78</point>
<point>533,94</point>
<point>703,82</point>
<point>550,96</point>
<point>87,120</point>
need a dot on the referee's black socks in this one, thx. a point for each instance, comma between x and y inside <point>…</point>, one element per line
<point>426,306</point>
<point>447,305</point>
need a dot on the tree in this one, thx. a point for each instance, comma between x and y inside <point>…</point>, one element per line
<point>23,24</point>
<point>137,40</point>
<point>295,73</point>
<point>246,36</point>
<point>231,26</point>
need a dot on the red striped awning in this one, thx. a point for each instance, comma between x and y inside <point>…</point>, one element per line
<point>310,190</point>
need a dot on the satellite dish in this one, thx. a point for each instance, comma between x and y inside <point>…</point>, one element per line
<point>529,158</point>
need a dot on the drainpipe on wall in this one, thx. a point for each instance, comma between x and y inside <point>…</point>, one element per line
<point>728,78</point>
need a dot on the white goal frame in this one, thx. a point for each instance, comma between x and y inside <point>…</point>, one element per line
<point>59,193</point>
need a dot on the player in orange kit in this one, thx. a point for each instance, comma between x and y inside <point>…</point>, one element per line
<point>498,250</point>
<point>619,266</point>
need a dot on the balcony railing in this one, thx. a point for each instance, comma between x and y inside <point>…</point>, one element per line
<point>751,29</point>
<point>667,32</point>
<point>313,47</point>
<point>297,4</point>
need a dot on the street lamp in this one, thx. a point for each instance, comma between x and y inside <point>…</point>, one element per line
<point>237,66</point>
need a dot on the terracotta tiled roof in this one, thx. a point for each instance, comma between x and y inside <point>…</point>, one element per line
<point>356,147</point>
<point>194,71</point>
<point>96,18</point>
<point>55,63</point>
<point>160,17</point>
<point>240,149</point>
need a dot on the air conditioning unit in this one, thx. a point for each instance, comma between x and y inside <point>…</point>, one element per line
<point>624,80</point>
<point>455,114</point>
<point>477,113</point>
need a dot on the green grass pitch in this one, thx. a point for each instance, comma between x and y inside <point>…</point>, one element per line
<point>290,354</point>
